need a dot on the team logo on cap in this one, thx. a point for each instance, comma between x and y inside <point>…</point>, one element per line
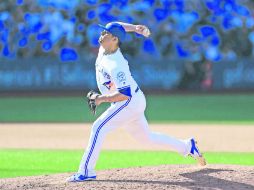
<point>121,76</point>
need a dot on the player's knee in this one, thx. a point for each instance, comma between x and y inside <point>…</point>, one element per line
<point>98,125</point>
<point>95,126</point>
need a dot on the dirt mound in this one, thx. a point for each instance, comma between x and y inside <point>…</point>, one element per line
<point>161,177</point>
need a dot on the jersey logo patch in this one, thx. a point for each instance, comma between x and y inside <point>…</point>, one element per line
<point>106,75</point>
<point>121,76</point>
<point>106,84</point>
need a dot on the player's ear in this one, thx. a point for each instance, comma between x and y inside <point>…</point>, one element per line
<point>115,39</point>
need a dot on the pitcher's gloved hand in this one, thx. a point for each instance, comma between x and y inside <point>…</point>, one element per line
<point>91,96</point>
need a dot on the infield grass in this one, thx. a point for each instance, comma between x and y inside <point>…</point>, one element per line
<point>235,108</point>
<point>15,163</point>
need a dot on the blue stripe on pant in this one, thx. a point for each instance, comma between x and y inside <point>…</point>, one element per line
<point>98,130</point>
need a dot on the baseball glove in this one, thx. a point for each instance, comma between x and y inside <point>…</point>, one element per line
<point>91,96</point>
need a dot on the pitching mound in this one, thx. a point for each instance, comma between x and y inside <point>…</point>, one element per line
<point>162,177</point>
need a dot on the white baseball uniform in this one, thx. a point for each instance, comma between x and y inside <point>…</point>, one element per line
<point>128,114</point>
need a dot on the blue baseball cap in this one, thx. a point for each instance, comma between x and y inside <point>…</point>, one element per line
<point>115,29</point>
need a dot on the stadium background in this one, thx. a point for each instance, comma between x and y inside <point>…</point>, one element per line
<point>197,67</point>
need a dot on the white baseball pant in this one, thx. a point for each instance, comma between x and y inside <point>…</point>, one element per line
<point>130,115</point>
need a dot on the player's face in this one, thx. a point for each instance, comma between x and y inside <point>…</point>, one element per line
<point>106,39</point>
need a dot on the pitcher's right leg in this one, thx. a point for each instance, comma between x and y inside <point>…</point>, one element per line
<point>139,129</point>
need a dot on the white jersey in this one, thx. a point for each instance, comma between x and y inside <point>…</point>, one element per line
<point>114,68</point>
<point>128,114</point>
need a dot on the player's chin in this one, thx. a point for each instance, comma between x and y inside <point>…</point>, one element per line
<point>103,45</point>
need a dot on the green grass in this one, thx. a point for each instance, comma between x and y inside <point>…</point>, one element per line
<point>175,108</point>
<point>15,163</point>
<point>211,108</point>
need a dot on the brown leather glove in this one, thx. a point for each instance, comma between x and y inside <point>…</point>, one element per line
<point>91,96</point>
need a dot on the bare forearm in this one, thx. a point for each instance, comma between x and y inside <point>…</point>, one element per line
<point>114,97</point>
<point>128,27</point>
<point>140,29</point>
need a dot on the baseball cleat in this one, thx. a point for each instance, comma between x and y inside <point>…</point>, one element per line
<point>79,178</point>
<point>194,153</point>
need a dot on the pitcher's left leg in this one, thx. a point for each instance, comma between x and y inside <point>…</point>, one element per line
<point>109,120</point>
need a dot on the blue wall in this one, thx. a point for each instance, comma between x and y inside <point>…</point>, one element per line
<point>49,73</point>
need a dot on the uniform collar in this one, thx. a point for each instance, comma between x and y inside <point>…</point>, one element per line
<point>113,53</point>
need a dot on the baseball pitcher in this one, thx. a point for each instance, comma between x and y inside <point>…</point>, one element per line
<point>128,103</point>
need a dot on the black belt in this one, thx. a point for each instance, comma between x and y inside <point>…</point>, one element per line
<point>137,89</point>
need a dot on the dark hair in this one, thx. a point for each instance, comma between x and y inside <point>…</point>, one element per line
<point>119,43</point>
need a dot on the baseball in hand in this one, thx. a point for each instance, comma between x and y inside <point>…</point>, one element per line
<point>143,30</point>
<point>146,32</point>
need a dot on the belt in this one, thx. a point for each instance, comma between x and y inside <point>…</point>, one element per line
<point>137,89</point>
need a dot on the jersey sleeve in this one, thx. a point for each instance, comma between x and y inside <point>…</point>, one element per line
<point>121,81</point>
